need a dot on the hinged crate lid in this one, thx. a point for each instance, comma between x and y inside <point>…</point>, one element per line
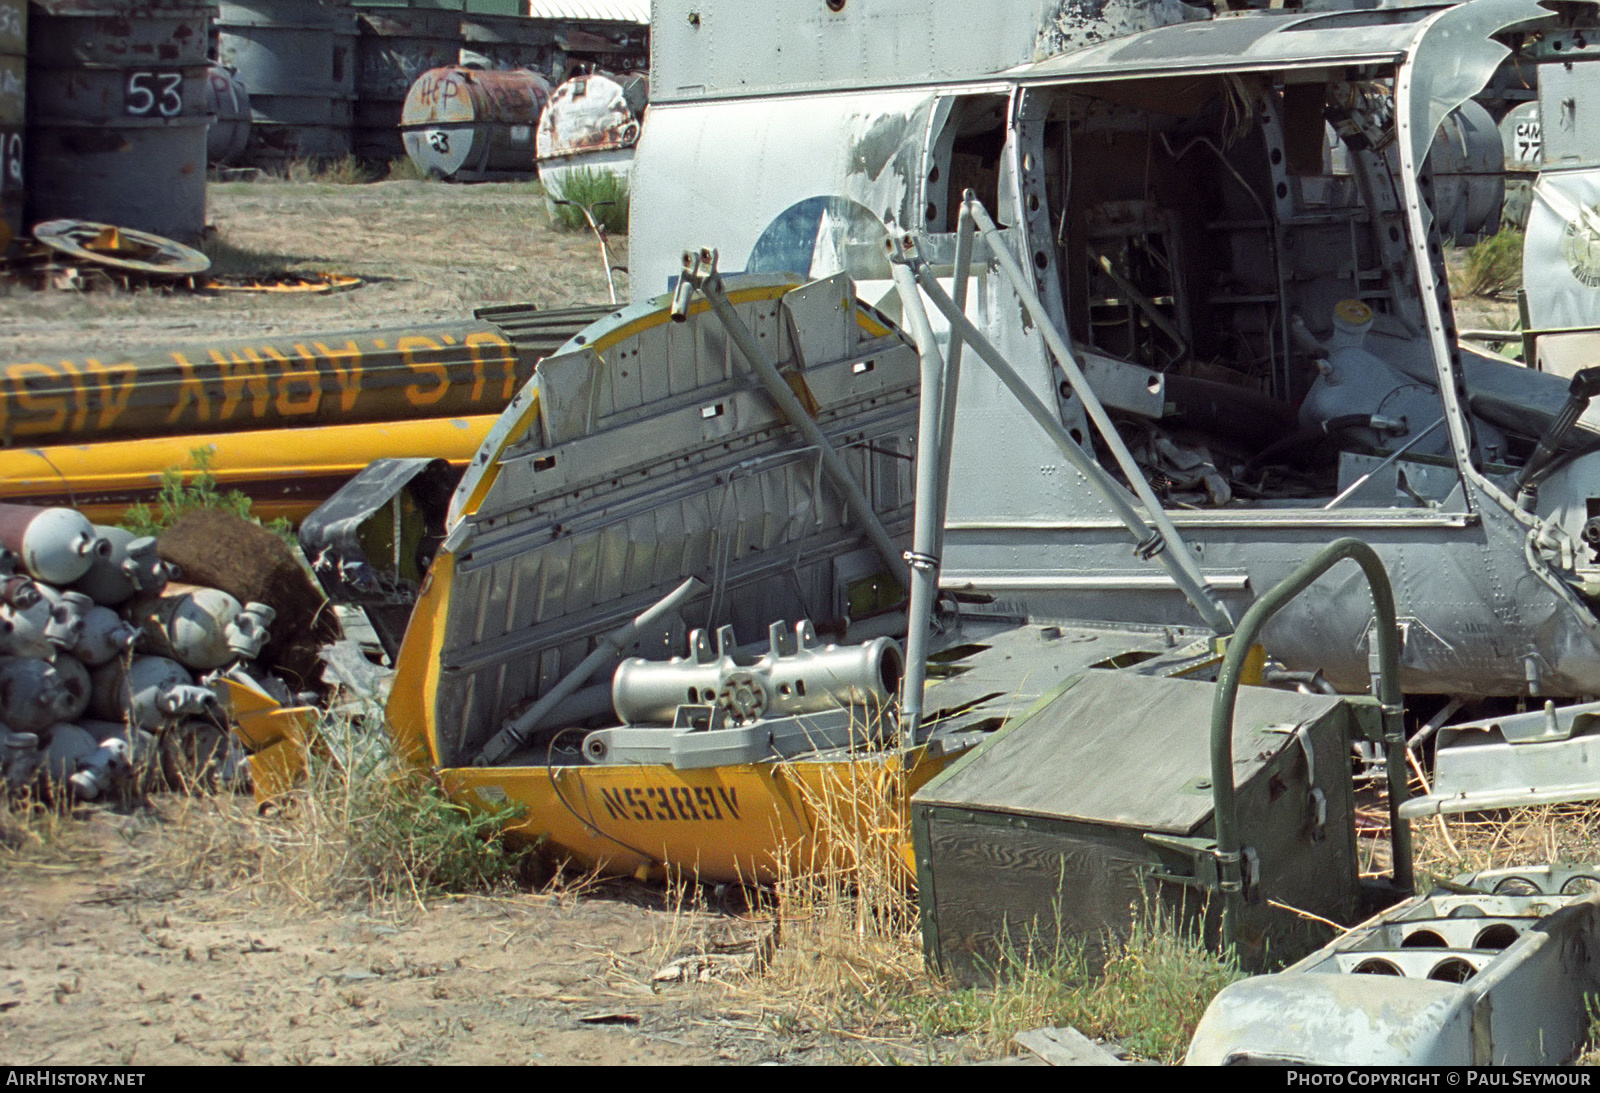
<point>1126,751</point>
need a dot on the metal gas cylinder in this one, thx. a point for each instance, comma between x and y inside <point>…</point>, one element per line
<point>131,565</point>
<point>33,695</point>
<point>143,750</point>
<point>797,674</point>
<point>20,756</point>
<point>67,611</point>
<point>75,685</point>
<point>89,768</point>
<point>1467,159</point>
<point>23,630</point>
<point>203,628</point>
<point>18,591</point>
<point>149,693</point>
<point>55,545</point>
<point>199,752</point>
<point>466,125</point>
<point>592,123</point>
<point>228,103</point>
<point>106,635</point>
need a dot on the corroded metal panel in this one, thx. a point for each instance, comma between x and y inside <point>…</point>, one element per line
<point>297,59</point>
<point>117,115</point>
<point>395,47</point>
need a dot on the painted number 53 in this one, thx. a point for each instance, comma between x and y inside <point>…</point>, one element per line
<point>154,94</point>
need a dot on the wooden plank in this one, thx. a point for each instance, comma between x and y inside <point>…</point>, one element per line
<point>1066,1047</point>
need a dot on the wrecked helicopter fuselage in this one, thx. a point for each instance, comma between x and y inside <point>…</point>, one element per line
<point>1231,224</point>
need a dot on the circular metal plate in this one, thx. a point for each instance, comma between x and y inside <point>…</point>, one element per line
<point>121,248</point>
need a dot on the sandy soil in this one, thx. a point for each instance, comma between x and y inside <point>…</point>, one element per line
<point>427,251</point>
<point>111,958</point>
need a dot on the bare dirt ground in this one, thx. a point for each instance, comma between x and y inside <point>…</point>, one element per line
<point>113,957</point>
<point>428,252</point>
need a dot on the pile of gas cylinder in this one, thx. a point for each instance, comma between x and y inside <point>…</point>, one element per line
<point>105,657</point>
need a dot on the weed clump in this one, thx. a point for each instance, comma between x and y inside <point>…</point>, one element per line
<point>185,490</point>
<point>1150,993</point>
<point>365,826</point>
<point>849,950</point>
<point>603,193</point>
<point>405,169</point>
<point>190,489</point>
<point>343,171</point>
<point>402,831</point>
<point>1493,267</point>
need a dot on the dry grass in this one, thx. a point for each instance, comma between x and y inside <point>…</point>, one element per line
<point>1493,267</point>
<point>427,251</point>
<point>366,828</point>
<point>1150,994</point>
<point>849,944</point>
<point>404,169</point>
<point>845,968</point>
<point>34,833</point>
<point>344,171</point>
<point>1450,845</point>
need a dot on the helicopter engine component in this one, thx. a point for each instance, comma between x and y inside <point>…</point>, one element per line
<point>796,675</point>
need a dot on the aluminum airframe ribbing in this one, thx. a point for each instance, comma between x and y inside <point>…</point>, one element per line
<point>643,454</point>
<point>1486,592</point>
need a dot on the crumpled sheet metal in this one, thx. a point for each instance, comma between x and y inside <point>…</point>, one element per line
<point>1561,250</point>
<point>587,114</point>
<point>1403,990</point>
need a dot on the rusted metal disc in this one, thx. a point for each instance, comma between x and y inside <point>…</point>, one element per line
<point>121,248</point>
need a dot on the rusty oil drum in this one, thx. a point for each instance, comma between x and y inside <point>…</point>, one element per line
<point>297,59</point>
<point>13,116</point>
<point>228,101</point>
<point>117,113</point>
<point>396,46</point>
<point>466,126</point>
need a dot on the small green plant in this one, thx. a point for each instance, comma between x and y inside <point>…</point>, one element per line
<point>1150,992</point>
<point>184,490</point>
<point>362,826</point>
<point>603,193</point>
<point>187,489</point>
<point>404,832</point>
<point>1589,1052</point>
<point>1493,266</point>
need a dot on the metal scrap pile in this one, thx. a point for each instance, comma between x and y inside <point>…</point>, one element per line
<point>111,671</point>
<point>83,254</point>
